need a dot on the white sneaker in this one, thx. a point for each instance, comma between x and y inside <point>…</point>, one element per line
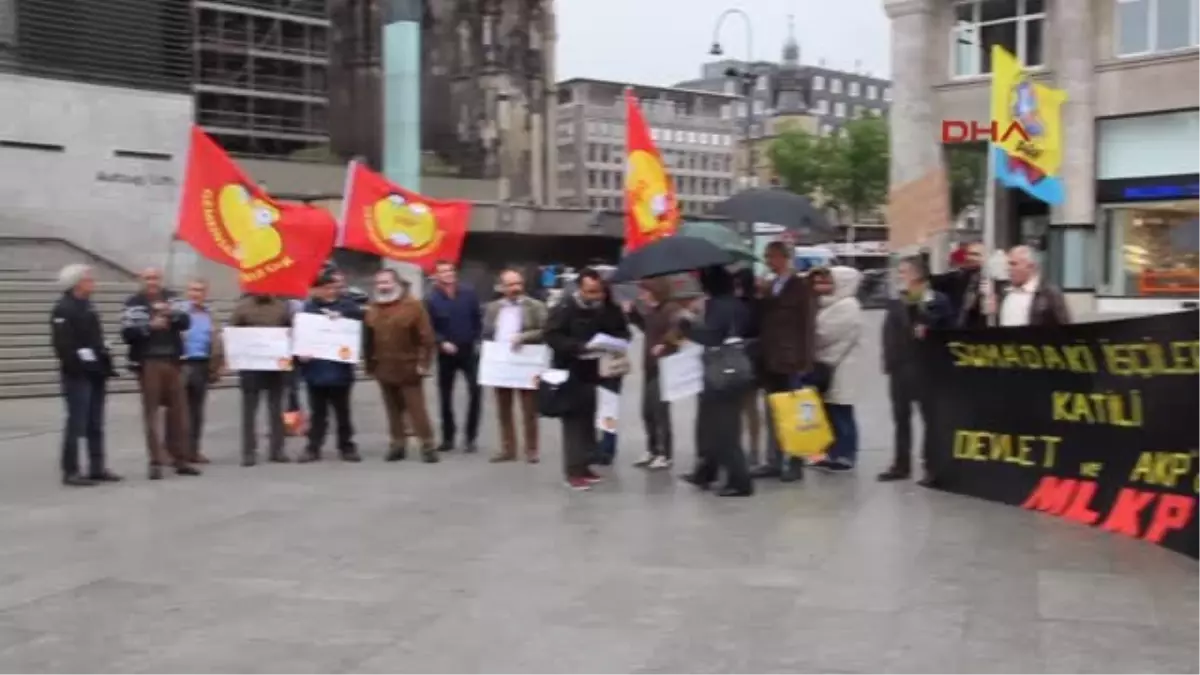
<point>644,460</point>
<point>660,462</point>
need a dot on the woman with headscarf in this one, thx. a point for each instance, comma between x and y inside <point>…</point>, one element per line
<point>839,334</point>
<point>719,414</point>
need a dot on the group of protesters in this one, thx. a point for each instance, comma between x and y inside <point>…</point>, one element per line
<point>798,329</point>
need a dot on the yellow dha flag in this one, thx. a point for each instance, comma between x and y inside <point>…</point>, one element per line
<point>1033,113</point>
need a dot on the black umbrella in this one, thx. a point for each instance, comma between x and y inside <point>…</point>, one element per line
<point>669,256</point>
<point>778,207</point>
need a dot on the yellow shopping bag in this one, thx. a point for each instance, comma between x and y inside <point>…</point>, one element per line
<point>800,423</point>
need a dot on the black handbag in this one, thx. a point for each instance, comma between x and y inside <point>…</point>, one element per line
<point>727,368</point>
<point>556,400</point>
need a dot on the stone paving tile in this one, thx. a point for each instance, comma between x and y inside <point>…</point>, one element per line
<point>470,567</point>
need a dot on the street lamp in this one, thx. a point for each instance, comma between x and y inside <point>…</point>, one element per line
<point>746,77</point>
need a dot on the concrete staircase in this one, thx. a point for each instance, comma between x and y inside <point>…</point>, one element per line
<point>27,364</point>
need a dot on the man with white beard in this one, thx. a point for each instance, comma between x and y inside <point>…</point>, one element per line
<point>398,348</point>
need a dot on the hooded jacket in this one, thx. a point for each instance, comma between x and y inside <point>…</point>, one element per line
<point>839,333</point>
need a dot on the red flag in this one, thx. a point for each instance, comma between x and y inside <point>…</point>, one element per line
<point>278,247</point>
<point>387,220</point>
<point>651,208</point>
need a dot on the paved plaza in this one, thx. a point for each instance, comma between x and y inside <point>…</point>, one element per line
<point>466,566</point>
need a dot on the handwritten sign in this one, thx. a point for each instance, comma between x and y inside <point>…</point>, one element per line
<point>1095,423</point>
<point>500,366</point>
<point>317,336</point>
<point>257,348</point>
<point>681,375</point>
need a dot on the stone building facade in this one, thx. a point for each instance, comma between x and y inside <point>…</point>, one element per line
<point>1130,129</point>
<point>486,89</point>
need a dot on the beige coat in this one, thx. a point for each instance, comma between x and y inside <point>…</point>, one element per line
<point>839,333</point>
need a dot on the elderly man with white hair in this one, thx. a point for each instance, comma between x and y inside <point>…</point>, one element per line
<point>1029,300</point>
<point>84,365</point>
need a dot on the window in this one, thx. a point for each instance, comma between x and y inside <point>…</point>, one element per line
<point>823,107</point>
<point>1146,26</point>
<point>1016,25</point>
<point>741,109</point>
<point>762,83</point>
<point>730,87</point>
<point>1145,255</point>
<point>839,109</point>
<point>858,111</point>
<point>691,137</point>
<point>703,138</point>
<point>835,85</point>
<point>726,111</point>
<point>854,89</point>
<point>818,83</point>
<point>826,129</point>
<point>758,107</point>
<point>872,92</point>
<point>887,93</point>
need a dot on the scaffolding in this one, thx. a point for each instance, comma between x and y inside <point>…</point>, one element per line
<point>260,75</point>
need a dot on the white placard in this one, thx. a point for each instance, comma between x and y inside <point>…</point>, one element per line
<point>681,375</point>
<point>317,336</point>
<point>257,348</point>
<point>500,366</point>
<point>608,409</point>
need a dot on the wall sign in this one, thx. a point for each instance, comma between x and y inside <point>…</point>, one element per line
<point>138,180</point>
<point>1154,188</point>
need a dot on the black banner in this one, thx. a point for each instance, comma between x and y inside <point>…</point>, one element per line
<point>1096,423</point>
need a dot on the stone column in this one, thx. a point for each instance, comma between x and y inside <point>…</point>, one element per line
<point>915,146</point>
<point>550,105</point>
<point>1073,241</point>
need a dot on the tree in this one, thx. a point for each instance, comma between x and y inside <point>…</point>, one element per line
<point>798,159</point>
<point>856,168</point>
<point>966,172</point>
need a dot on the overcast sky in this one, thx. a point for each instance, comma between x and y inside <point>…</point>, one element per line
<point>661,42</point>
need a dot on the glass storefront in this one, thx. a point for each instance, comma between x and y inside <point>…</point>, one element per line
<point>1150,249</point>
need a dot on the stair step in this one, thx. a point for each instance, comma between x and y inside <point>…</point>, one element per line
<point>35,364</point>
<point>121,385</point>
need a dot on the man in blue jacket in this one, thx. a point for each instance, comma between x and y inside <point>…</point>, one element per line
<point>457,318</point>
<point>329,382</point>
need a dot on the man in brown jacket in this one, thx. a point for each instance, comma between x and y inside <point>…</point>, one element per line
<point>262,311</point>
<point>788,309</point>
<point>515,319</point>
<point>398,347</point>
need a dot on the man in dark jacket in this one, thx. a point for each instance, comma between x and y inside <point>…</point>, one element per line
<point>1029,300</point>
<point>964,289</point>
<point>152,324</point>
<point>573,322</point>
<point>787,339</point>
<point>918,310</point>
<point>262,311</point>
<point>84,365</point>
<point>329,381</point>
<point>457,318</point>
<point>656,313</point>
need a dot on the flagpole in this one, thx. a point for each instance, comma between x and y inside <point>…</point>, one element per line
<point>989,230</point>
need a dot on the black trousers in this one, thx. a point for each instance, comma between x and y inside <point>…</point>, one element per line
<point>656,418</point>
<point>256,385</point>
<point>907,393</point>
<point>84,398</point>
<point>195,384</point>
<point>466,361</point>
<point>320,400</point>
<point>719,439</point>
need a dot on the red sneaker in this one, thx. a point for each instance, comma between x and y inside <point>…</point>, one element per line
<point>592,478</point>
<point>579,484</point>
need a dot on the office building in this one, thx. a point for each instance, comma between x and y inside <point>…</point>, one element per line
<point>94,122</point>
<point>829,95</point>
<point>1123,240</point>
<point>697,143</point>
